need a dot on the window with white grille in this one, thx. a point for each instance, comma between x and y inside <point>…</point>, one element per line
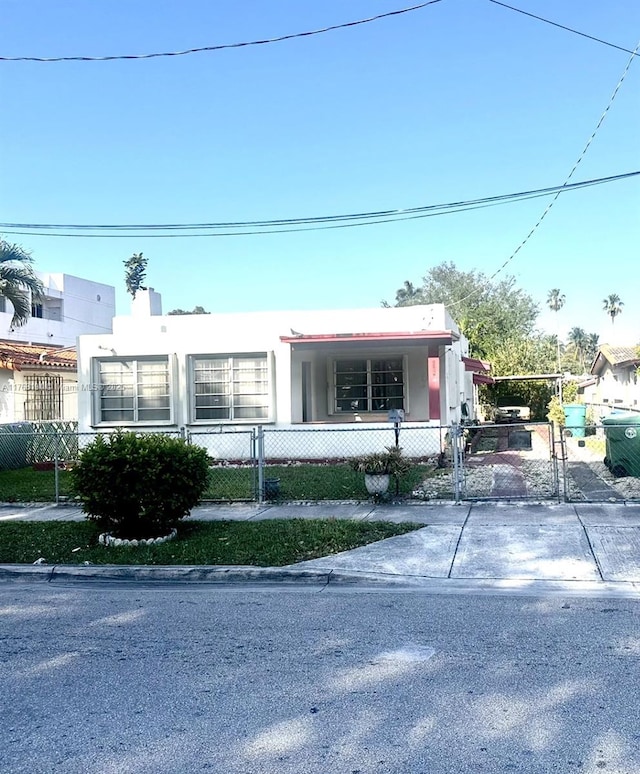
<point>136,390</point>
<point>231,387</point>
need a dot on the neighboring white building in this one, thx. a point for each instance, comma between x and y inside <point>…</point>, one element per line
<point>37,383</point>
<point>38,378</point>
<point>314,369</point>
<point>71,306</point>
<point>614,383</point>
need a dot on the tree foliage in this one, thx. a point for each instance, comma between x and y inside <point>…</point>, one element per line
<point>195,310</point>
<point>516,356</point>
<point>135,272</point>
<point>485,311</point>
<point>18,282</point>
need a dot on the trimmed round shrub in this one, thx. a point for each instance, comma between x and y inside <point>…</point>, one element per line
<point>139,486</point>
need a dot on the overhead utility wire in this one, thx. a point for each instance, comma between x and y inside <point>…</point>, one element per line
<point>563,27</point>
<point>569,176</point>
<point>337,222</point>
<point>221,47</point>
<point>318,218</point>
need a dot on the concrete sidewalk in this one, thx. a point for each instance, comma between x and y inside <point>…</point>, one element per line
<point>583,545</point>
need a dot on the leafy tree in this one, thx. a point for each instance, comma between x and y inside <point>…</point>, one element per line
<point>515,356</point>
<point>612,305</point>
<point>196,310</point>
<point>18,282</point>
<point>486,311</point>
<point>135,272</point>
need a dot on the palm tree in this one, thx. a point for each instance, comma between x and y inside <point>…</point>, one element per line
<point>18,282</point>
<point>555,302</point>
<point>592,346</point>
<point>580,340</point>
<point>407,295</point>
<point>612,305</point>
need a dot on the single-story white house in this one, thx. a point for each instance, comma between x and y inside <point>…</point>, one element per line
<point>37,383</point>
<point>314,370</point>
<point>614,382</point>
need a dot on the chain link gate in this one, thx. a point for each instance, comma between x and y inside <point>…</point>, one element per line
<point>508,462</point>
<point>234,465</point>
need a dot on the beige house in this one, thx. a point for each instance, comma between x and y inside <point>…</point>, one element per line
<point>37,383</point>
<point>614,383</point>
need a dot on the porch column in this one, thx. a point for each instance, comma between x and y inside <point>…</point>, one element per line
<point>433,380</point>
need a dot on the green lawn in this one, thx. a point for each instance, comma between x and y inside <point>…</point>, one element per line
<point>269,543</point>
<point>297,482</point>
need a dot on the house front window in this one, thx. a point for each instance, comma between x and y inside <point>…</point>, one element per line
<point>231,388</point>
<point>44,398</point>
<point>367,385</point>
<point>135,390</point>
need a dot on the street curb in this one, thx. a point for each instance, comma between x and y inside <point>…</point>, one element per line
<point>324,579</point>
<point>177,574</point>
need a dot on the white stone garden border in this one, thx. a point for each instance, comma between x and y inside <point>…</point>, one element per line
<point>107,539</point>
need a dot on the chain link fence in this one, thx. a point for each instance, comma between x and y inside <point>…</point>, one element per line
<point>601,462</point>
<point>485,462</point>
<point>313,464</point>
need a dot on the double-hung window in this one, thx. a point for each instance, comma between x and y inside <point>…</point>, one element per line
<point>136,390</point>
<point>366,385</point>
<point>231,387</point>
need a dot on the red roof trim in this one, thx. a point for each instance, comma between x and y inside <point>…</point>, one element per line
<point>473,364</point>
<point>483,379</point>
<point>448,336</point>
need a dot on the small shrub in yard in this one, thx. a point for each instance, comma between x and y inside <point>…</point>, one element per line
<point>139,486</point>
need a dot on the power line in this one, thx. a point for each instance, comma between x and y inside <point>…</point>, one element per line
<point>221,47</point>
<point>287,225</point>
<point>563,27</point>
<point>569,176</point>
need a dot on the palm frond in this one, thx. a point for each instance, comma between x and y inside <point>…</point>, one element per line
<point>9,252</point>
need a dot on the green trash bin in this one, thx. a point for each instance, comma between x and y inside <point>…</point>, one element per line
<point>622,433</point>
<point>575,416</point>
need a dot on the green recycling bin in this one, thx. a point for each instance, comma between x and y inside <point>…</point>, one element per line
<point>622,433</point>
<point>575,415</point>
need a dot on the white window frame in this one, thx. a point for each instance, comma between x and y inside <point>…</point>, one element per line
<point>231,357</point>
<point>135,422</point>
<point>332,398</point>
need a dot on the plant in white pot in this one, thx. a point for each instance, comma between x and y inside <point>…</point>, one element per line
<point>378,467</point>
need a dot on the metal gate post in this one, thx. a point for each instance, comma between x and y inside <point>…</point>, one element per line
<point>56,468</point>
<point>456,434</point>
<point>554,462</point>
<point>260,456</point>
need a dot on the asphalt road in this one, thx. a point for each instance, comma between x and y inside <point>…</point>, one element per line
<point>110,678</point>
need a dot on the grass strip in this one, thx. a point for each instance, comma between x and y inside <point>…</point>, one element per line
<point>297,482</point>
<point>268,543</point>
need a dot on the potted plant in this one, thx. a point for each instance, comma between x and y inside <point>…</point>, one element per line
<point>378,467</point>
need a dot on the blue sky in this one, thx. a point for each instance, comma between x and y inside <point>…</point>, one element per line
<point>458,100</point>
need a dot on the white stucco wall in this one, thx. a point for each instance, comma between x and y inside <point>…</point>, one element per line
<point>87,307</point>
<point>179,337</point>
<point>13,394</point>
